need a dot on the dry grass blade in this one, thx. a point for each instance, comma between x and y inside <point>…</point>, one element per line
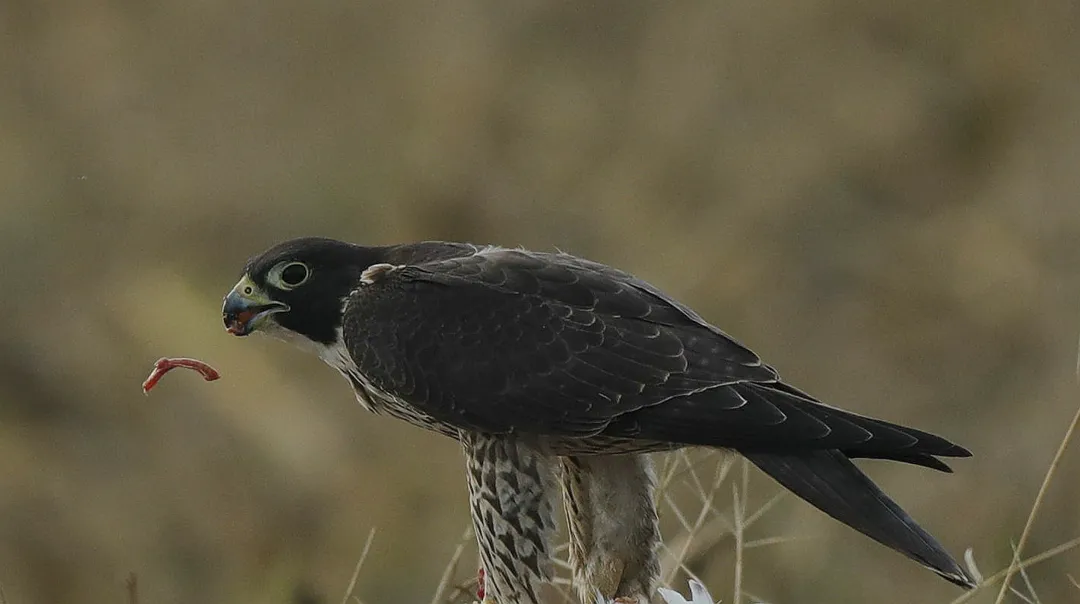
<point>451,568</point>
<point>674,561</point>
<point>674,507</point>
<point>132,585</point>
<point>681,566</point>
<point>739,523</point>
<point>736,507</point>
<point>991,580</point>
<point>1033,598</point>
<point>1039,499</point>
<point>562,563</point>
<point>703,515</point>
<point>699,538</point>
<point>359,565</point>
<point>768,505</point>
<point>1020,595</point>
<point>669,471</point>
<point>696,545</point>
<point>767,541</point>
<point>693,478</point>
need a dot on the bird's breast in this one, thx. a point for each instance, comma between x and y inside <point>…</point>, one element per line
<point>375,399</point>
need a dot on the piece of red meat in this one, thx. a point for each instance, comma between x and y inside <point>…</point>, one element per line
<point>167,364</point>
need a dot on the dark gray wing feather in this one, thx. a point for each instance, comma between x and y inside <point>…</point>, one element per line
<point>508,341</point>
<point>777,417</point>
<point>550,344</point>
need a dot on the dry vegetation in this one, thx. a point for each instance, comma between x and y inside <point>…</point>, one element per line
<point>881,198</point>
<point>710,528</point>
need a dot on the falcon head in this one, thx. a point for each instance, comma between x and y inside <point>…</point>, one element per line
<point>296,288</point>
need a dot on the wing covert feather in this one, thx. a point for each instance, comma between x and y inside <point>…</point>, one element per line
<point>506,341</point>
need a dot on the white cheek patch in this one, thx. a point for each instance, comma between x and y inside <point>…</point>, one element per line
<point>376,272</point>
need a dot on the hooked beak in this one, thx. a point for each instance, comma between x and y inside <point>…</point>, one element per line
<point>247,307</point>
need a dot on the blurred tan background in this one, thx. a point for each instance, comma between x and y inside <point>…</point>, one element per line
<point>883,199</point>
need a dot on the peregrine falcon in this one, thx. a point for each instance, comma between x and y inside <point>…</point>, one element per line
<point>559,374</point>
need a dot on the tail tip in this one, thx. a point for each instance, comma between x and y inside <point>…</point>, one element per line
<point>957,576</point>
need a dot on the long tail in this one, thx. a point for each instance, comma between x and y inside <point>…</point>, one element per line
<point>830,482</point>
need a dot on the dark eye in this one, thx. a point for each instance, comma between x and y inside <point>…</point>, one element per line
<point>290,275</point>
<point>294,274</point>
